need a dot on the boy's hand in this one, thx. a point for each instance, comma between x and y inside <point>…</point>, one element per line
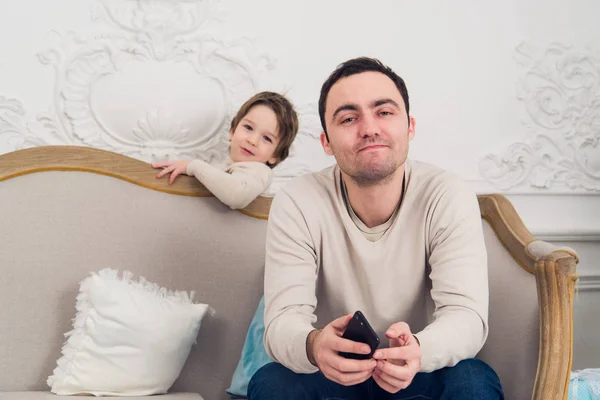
<point>175,167</point>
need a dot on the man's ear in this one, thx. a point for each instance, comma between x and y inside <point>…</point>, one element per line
<point>411,128</point>
<point>325,144</point>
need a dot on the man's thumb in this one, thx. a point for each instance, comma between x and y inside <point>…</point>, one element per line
<point>342,322</point>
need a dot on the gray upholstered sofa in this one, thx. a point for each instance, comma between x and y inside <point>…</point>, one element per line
<point>67,211</point>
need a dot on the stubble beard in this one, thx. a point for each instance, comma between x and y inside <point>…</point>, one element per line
<point>373,172</point>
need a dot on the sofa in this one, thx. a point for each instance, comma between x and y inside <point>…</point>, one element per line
<point>67,211</point>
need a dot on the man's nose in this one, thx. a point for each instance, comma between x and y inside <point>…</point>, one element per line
<point>368,126</point>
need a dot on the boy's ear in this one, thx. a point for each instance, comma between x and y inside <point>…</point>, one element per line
<point>273,161</point>
<point>230,134</point>
<point>325,144</point>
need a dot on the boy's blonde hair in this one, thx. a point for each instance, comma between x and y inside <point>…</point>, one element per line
<point>287,120</point>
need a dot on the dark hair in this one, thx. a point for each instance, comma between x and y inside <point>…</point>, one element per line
<point>287,120</point>
<point>357,66</point>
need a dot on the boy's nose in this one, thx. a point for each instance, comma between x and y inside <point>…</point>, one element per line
<point>252,139</point>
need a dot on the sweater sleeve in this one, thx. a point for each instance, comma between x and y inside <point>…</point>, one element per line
<point>458,261</point>
<point>237,186</point>
<point>290,283</point>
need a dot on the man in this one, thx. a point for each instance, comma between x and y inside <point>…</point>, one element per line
<point>397,239</point>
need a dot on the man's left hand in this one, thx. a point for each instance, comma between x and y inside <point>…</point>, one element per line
<point>398,364</point>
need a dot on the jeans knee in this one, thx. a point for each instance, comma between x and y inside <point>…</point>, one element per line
<point>472,379</point>
<point>273,381</point>
<point>263,380</point>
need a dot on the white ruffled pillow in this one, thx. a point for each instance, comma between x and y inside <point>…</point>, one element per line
<point>128,339</point>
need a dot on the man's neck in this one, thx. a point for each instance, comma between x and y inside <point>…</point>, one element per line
<point>375,204</point>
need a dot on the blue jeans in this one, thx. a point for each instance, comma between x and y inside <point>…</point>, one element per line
<point>468,380</point>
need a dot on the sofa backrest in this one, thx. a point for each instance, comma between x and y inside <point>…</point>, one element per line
<point>72,217</point>
<point>58,226</point>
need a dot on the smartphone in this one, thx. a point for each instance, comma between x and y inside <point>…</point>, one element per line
<point>359,330</point>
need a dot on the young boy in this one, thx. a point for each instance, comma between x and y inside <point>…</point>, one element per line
<point>261,135</point>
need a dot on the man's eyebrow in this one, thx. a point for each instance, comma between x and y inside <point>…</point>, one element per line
<point>354,107</point>
<point>344,107</point>
<point>380,102</point>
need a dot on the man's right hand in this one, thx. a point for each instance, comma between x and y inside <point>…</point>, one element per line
<point>323,347</point>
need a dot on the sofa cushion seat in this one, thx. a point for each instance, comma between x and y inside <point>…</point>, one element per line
<point>51,396</point>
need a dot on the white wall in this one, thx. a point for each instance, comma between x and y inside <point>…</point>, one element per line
<point>506,94</point>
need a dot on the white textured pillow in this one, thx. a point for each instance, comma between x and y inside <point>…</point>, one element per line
<point>129,338</point>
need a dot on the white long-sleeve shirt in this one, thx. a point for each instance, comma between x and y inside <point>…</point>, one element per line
<point>429,268</point>
<point>237,184</point>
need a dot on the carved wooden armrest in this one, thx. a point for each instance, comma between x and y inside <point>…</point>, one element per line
<point>554,270</point>
<point>555,277</point>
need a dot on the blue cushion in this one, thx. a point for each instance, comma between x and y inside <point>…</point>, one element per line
<point>585,385</point>
<point>253,357</point>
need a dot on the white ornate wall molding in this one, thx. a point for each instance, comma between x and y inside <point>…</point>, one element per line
<point>12,122</point>
<point>160,81</point>
<point>560,89</point>
<point>16,130</point>
<point>574,235</point>
<point>588,283</point>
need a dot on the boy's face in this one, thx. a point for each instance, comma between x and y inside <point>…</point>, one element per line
<point>256,137</point>
<point>368,127</point>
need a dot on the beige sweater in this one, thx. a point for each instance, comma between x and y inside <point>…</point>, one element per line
<point>236,185</point>
<point>429,268</point>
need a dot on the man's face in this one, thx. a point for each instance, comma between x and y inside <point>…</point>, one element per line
<point>368,127</point>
